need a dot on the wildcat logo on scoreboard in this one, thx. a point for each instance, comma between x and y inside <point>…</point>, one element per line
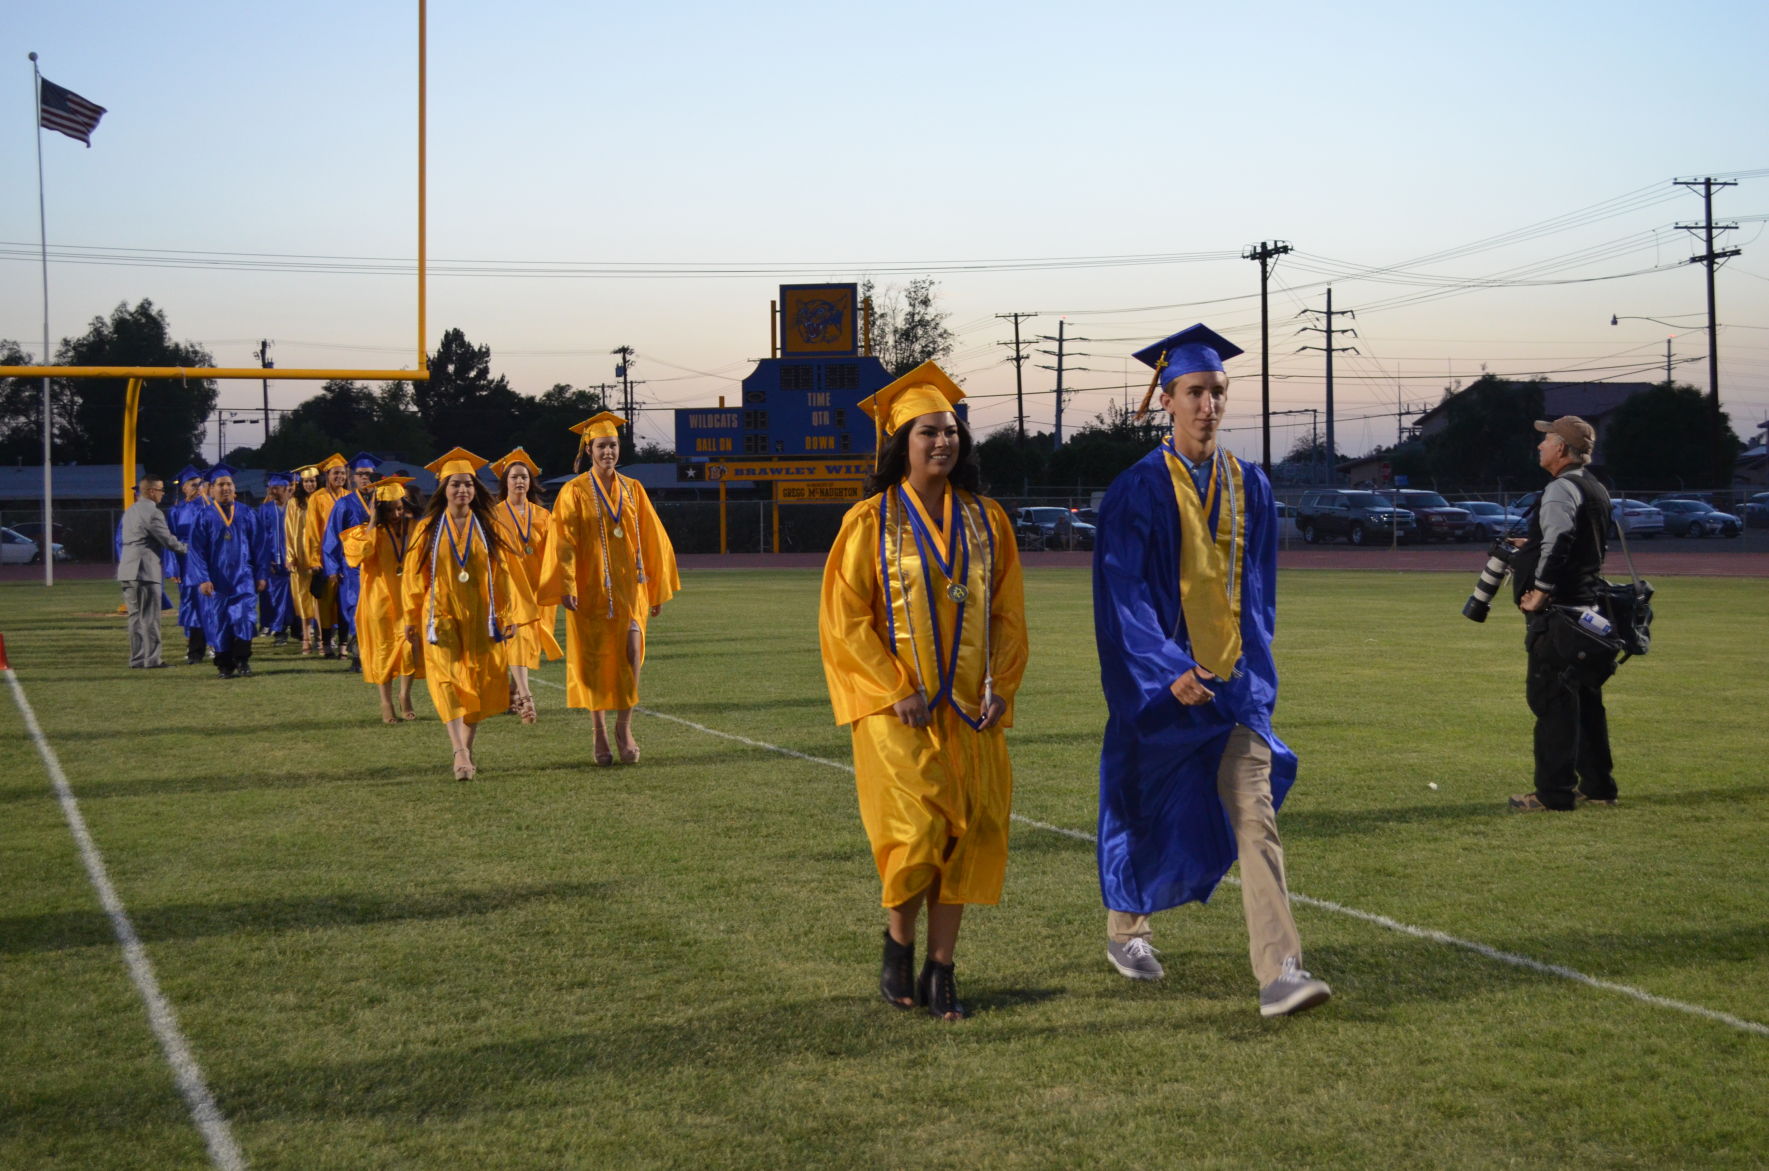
<point>819,319</point>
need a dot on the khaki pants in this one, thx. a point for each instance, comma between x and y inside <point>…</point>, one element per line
<point>1244,783</point>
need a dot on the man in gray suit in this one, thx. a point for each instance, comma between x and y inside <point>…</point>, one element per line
<point>144,538</point>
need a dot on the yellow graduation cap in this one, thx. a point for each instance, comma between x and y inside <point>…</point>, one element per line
<point>517,456</point>
<point>391,487</point>
<point>331,461</point>
<point>457,462</point>
<point>925,390</point>
<point>606,424</point>
<point>302,473</point>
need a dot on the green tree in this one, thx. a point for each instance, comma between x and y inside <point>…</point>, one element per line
<point>1662,439</point>
<point>169,430</point>
<point>546,424</point>
<point>461,403</point>
<point>908,327</point>
<point>21,411</point>
<point>1488,435</point>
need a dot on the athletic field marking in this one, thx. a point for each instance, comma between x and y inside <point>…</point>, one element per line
<point>1426,933</point>
<point>223,1151</point>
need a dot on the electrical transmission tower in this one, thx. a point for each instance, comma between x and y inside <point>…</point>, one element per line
<point>1019,361</point>
<point>1711,259</point>
<point>1061,356</point>
<point>1266,252</point>
<point>1328,331</point>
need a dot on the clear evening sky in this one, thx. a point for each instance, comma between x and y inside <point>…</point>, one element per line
<point>741,147</point>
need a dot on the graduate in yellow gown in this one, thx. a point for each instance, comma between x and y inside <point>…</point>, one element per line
<point>378,550</point>
<point>612,567</point>
<point>333,472</point>
<point>301,568</point>
<point>526,528</point>
<point>923,632</point>
<point>461,603</point>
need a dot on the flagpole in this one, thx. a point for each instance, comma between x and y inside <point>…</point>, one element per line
<point>47,544</point>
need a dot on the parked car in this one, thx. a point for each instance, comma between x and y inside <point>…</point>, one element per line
<point>32,530</point>
<point>1437,518</point>
<point>1494,520</point>
<point>1636,518</point>
<point>1363,518</point>
<point>1756,511</point>
<point>1696,518</point>
<point>1042,526</point>
<point>18,549</point>
<point>1287,530</point>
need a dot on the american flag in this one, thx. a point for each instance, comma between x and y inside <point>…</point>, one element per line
<point>68,112</point>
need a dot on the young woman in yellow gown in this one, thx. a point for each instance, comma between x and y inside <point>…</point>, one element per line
<point>611,565</point>
<point>300,567</point>
<point>461,603</point>
<point>527,529</point>
<point>923,633</point>
<point>378,550</point>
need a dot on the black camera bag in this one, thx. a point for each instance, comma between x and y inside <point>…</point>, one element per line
<point>1587,658</point>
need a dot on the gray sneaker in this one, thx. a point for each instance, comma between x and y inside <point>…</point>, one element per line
<point>1293,991</point>
<point>1136,959</point>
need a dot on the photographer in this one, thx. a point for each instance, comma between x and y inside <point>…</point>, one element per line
<point>1560,563</point>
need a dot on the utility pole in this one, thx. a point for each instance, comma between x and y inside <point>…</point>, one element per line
<point>1266,253</point>
<point>1019,361</point>
<point>1061,340</point>
<point>1330,348</point>
<point>1711,259</point>
<point>626,392</point>
<point>266,363</point>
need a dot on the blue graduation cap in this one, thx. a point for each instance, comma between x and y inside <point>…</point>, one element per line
<point>364,460</point>
<point>191,472</point>
<point>279,480</point>
<point>1186,352</point>
<point>217,471</point>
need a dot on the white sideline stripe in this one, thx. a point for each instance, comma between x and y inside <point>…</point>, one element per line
<point>223,1151</point>
<point>1426,933</point>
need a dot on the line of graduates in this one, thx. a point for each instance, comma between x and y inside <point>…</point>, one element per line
<point>463,592</point>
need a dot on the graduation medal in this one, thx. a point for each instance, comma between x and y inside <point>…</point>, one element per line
<point>526,535</point>
<point>963,576</point>
<point>460,555</point>
<point>613,510</point>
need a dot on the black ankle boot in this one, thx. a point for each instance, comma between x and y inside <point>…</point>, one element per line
<point>938,990</point>
<point>894,982</point>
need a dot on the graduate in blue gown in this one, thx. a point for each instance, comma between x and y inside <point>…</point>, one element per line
<point>226,569</point>
<point>276,609</point>
<point>1185,606</point>
<point>193,485</point>
<point>351,510</point>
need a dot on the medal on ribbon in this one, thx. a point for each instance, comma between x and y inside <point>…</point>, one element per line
<point>458,552</point>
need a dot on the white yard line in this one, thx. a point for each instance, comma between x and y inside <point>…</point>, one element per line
<point>223,1151</point>
<point>1426,933</point>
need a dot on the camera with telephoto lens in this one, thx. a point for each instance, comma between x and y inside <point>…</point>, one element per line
<point>1492,576</point>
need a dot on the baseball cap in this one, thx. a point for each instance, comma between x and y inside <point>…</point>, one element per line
<point>1577,434</point>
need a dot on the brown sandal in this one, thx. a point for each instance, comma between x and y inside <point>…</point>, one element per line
<point>525,708</point>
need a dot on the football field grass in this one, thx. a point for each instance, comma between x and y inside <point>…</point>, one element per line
<point>675,963</point>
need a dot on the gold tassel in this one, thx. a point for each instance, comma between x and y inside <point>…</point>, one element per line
<point>1142,410</point>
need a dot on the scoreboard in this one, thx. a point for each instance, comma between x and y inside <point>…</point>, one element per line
<point>789,407</point>
<point>804,403</point>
